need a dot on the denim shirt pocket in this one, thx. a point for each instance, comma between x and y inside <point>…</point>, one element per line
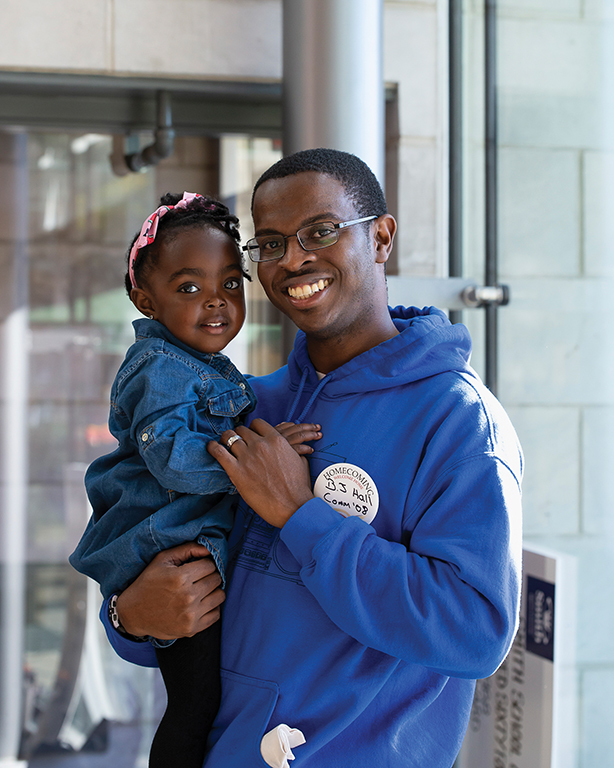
<point>223,410</point>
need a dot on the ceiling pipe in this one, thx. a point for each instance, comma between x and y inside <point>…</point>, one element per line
<point>164,137</point>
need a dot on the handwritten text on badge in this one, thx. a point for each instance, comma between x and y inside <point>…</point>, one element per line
<point>349,490</point>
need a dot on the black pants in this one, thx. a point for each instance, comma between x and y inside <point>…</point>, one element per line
<point>190,669</point>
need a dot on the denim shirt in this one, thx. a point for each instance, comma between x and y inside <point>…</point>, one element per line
<point>161,487</point>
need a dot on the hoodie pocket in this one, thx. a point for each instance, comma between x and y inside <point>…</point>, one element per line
<point>243,719</point>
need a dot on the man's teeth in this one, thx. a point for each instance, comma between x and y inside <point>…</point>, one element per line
<point>305,291</point>
<point>214,325</point>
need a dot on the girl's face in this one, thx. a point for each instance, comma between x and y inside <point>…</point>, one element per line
<point>196,289</point>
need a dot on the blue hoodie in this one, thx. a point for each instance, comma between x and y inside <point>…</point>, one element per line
<point>369,637</point>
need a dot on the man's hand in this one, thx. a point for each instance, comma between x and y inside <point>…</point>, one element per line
<point>175,596</point>
<point>268,473</point>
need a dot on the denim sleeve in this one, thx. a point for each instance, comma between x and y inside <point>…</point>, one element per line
<point>115,549</point>
<point>137,652</point>
<point>166,403</point>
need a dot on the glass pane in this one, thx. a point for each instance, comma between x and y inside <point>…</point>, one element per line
<point>65,223</point>
<point>243,160</point>
<point>556,345</point>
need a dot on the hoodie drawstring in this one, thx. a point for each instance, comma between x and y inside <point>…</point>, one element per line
<point>301,386</point>
<point>311,400</point>
<point>298,394</point>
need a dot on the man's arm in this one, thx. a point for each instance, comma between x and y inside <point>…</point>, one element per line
<point>448,601</point>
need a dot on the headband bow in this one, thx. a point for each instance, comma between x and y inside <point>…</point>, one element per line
<point>150,227</point>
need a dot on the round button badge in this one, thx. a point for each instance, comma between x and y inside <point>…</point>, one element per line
<point>348,489</point>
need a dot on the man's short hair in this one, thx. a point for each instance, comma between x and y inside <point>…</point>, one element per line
<point>358,180</point>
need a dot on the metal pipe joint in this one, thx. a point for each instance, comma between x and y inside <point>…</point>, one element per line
<point>485,295</point>
<point>164,137</point>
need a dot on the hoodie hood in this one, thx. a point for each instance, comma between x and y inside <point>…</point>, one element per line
<point>427,345</point>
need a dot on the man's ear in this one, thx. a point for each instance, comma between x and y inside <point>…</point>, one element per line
<point>143,302</point>
<point>385,229</point>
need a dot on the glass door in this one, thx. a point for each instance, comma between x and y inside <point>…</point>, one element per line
<point>555,191</point>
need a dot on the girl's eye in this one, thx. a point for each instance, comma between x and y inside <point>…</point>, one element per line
<point>188,288</point>
<point>232,284</point>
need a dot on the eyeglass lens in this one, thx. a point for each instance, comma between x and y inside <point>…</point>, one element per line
<point>269,247</point>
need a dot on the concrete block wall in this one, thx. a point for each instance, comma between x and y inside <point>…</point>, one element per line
<point>185,38</point>
<point>415,48</point>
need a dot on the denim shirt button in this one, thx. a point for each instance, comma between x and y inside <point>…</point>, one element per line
<point>144,437</point>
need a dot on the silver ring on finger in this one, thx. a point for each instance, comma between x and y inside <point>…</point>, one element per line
<point>232,440</point>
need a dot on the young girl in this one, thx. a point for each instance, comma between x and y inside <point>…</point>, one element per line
<point>174,393</point>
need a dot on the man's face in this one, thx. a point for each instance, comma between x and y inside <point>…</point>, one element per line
<point>329,292</point>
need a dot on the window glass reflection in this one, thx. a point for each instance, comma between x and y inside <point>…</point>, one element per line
<point>65,223</point>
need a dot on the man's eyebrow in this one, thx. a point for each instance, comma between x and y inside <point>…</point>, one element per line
<point>326,216</point>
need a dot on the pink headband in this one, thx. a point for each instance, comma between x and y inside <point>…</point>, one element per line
<point>150,227</point>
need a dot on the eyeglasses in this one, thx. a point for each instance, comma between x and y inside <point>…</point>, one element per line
<point>311,238</point>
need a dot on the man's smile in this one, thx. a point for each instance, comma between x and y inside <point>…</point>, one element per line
<point>305,290</point>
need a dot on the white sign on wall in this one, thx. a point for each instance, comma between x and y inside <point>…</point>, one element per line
<point>523,715</point>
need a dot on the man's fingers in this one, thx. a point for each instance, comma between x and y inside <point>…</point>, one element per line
<point>181,554</point>
<point>200,569</point>
<point>221,454</point>
<point>210,607</point>
<point>213,600</point>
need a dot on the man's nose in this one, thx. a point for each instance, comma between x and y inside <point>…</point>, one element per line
<point>295,255</point>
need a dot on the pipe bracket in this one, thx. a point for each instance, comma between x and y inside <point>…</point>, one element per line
<point>486,295</point>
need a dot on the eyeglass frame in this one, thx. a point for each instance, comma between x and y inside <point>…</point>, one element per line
<point>337,227</point>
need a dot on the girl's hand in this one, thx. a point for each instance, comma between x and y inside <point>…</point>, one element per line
<point>298,434</point>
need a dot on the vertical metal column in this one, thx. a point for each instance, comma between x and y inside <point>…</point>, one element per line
<point>333,86</point>
<point>455,143</point>
<point>333,89</point>
<point>490,139</point>
<point>14,471</point>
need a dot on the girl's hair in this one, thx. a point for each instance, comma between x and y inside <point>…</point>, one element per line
<point>199,212</point>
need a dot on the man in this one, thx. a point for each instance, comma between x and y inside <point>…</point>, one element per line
<point>373,587</point>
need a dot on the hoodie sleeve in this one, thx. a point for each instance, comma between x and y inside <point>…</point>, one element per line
<point>135,651</point>
<point>448,596</point>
